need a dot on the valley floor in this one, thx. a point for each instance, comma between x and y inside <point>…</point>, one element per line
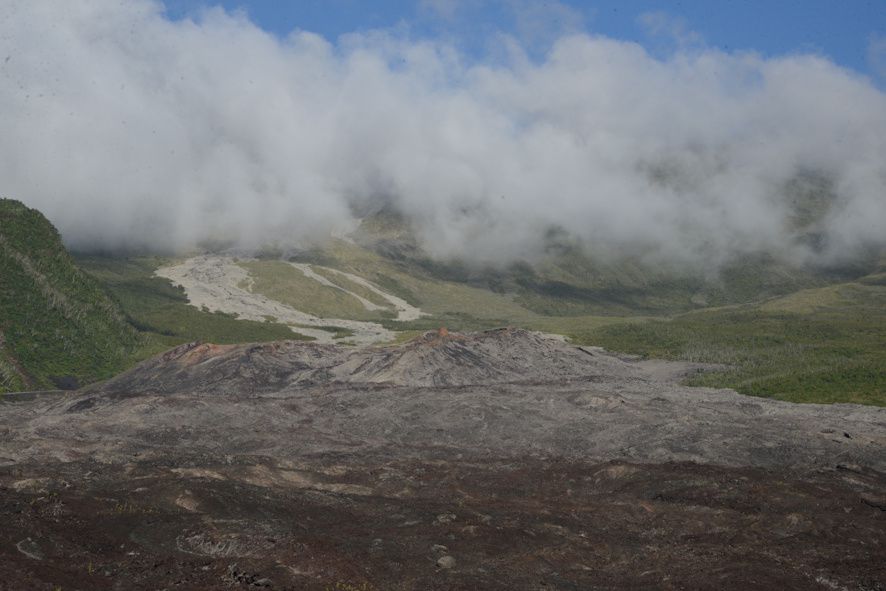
<point>821,344</point>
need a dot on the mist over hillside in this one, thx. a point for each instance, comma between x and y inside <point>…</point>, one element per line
<point>130,130</point>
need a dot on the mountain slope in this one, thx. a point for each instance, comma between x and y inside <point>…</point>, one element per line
<point>570,279</point>
<point>816,345</point>
<point>58,328</point>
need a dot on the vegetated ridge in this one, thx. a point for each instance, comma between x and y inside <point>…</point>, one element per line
<point>58,328</point>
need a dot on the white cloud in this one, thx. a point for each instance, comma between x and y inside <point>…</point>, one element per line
<point>540,22</point>
<point>674,28</point>
<point>127,129</point>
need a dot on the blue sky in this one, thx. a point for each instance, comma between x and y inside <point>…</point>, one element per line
<point>850,32</point>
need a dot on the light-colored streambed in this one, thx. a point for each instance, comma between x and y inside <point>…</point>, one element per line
<point>214,282</point>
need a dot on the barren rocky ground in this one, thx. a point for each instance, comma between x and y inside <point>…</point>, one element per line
<point>498,460</point>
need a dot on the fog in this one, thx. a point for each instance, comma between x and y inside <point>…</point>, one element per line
<point>129,130</point>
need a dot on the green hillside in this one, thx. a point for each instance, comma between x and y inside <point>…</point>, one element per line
<point>819,345</point>
<point>821,340</point>
<point>58,328</point>
<point>803,334</point>
<point>161,311</point>
<point>61,327</point>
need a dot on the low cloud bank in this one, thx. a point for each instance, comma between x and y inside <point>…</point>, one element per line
<point>133,131</point>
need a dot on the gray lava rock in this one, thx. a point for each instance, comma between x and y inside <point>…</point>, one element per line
<point>446,562</point>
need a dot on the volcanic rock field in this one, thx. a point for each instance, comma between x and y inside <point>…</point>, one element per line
<point>495,460</point>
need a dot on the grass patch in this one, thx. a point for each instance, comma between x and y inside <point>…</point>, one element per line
<point>351,286</point>
<point>786,349</point>
<point>280,281</point>
<point>155,306</point>
<point>575,326</point>
<point>339,332</point>
<point>405,336</point>
<point>442,299</point>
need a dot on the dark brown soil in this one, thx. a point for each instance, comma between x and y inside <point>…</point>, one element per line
<point>535,524</point>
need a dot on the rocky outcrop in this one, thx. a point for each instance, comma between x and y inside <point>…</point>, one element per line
<point>503,392</point>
